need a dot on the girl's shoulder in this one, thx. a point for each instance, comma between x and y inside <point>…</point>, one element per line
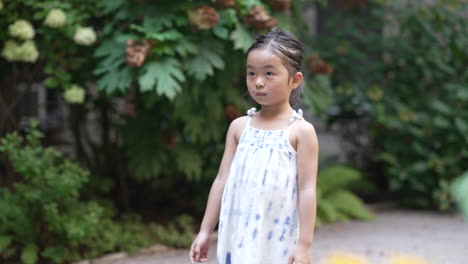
<point>237,125</point>
<point>239,122</point>
<point>304,130</point>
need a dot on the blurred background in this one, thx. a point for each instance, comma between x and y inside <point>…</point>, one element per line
<point>113,113</point>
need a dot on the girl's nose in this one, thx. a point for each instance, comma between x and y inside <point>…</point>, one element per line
<point>259,84</point>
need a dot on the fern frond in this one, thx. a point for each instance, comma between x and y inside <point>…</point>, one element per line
<point>348,203</point>
<point>335,177</point>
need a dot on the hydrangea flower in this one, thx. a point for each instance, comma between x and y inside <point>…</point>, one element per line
<point>26,52</point>
<point>85,36</point>
<point>22,29</point>
<point>10,50</point>
<point>55,19</point>
<point>74,95</point>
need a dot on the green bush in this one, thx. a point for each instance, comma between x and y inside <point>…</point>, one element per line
<point>335,199</point>
<point>42,217</point>
<point>178,233</point>
<point>421,124</point>
<point>408,93</point>
<point>460,192</point>
<point>190,86</point>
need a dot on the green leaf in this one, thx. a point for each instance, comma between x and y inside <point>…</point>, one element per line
<point>185,47</point>
<point>221,32</point>
<point>461,125</point>
<point>189,162</point>
<point>228,17</point>
<point>441,122</point>
<point>51,82</point>
<point>110,6</point>
<point>441,107</point>
<point>159,19</point>
<point>162,77</point>
<point>5,241</point>
<point>335,177</point>
<point>462,92</point>
<point>418,167</point>
<point>460,192</point>
<point>326,212</point>
<point>204,63</point>
<point>162,36</point>
<point>115,80</point>
<point>444,66</point>
<point>349,204</point>
<point>241,38</point>
<point>57,254</point>
<point>29,254</point>
<point>115,75</point>
<point>318,95</point>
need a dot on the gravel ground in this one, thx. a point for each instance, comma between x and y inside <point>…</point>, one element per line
<point>437,238</point>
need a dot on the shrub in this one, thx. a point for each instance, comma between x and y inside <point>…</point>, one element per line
<point>42,217</point>
<point>420,122</point>
<point>335,201</point>
<point>460,192</point>
<point>407,96</point>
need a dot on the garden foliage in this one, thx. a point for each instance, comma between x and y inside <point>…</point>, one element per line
<point>421,123</point>
<point>460,192</point>
<point>42,215</point>
<point>190,86</point>
<point>44,219</point>
<point>177,65</point>
<point>335,198</point>
<point>409,92</point>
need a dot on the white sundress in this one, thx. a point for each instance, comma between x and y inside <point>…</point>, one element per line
<point>258,221</point>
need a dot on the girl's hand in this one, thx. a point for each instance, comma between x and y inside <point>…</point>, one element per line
<point>300,255</point>
<point>200,247</point>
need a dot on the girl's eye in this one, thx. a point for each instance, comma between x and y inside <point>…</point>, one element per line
<point>269,74</point>
<point>250,74</point>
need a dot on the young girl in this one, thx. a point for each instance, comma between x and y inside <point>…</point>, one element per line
<point>264,193</point>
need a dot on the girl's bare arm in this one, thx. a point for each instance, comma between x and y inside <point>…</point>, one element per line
<point>307,166</point>
<point>214,199</point>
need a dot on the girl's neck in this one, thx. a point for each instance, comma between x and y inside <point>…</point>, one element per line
<point>275,111</point>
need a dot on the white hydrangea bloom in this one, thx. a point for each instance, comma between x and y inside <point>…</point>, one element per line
<point>56,18</point>
<point>9,51</point>
<point>22,29</point>
<point>74,95</point>
<point>85,36</point>
<point>26,52</point>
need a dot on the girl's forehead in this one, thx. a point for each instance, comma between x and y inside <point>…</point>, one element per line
<point>263,56</point>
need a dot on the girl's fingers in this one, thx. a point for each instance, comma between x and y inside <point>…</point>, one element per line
<point>291,260</point>
<point>203,256</point>
<point>194,255</point>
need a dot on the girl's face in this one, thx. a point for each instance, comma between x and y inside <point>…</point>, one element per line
<point>268,79</point>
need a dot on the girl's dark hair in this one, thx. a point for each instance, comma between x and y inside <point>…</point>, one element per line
<point>288,48</point>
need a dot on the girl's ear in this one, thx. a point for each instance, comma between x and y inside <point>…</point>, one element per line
<point>296,80</point>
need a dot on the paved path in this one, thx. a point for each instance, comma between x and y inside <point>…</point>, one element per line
<point>437,238</point>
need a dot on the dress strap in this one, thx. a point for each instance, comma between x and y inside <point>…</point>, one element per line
<point>295,118</point>
<point>251,113</point>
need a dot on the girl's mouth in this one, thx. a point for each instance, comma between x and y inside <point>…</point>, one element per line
<point>260,94</point>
